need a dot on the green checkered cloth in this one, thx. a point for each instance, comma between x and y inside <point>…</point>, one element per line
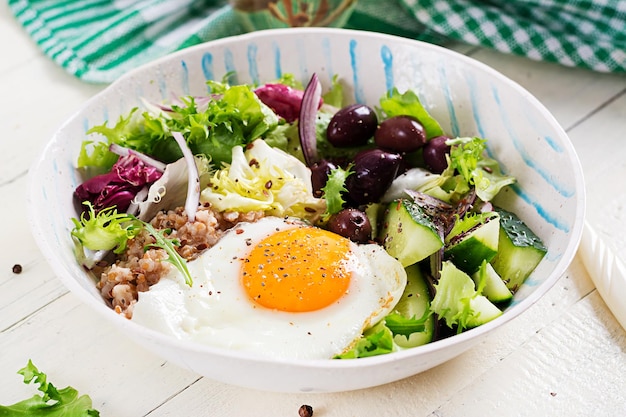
<point>98,40</point>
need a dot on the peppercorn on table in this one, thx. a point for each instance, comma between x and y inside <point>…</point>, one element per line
<point>565,356</point>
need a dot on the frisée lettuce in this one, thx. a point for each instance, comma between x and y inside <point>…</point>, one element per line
<point>211,127</point>
<point>467,156</point>
<point>266,179</point>
<point>459,302</point>
<point>110,230</point>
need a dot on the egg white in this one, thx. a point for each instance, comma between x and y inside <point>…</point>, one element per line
<point>217,311</point>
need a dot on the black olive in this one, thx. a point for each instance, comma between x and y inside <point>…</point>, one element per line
<point>374,171</point>
<point>352,224</point>
<point>352,126</point>
<point>434,154</point>
<point>400,134</point>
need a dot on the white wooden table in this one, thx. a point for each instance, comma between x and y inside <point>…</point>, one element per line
<point>566,356</point>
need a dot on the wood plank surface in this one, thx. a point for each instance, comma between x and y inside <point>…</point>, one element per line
<point>565,356</point>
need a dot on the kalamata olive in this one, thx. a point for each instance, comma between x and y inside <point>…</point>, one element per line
<point>319,175</point>
<point>400,134</point>
<point>352,126</point>
<point>434,154</point>
<point>374,171</point>
<point>352,224</point>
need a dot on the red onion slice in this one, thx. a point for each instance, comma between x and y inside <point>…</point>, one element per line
<point>306,120</point>
<point>133,207</point>
<point>428,202</point>
<point>122,151</point>
<point>193,178</point>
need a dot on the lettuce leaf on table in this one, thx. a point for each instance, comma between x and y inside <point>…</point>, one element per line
<point>52,402</point>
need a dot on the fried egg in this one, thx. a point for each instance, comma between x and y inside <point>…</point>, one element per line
<point>277,288</point>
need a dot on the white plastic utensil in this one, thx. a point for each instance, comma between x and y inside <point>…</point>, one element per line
<point>607,271</point>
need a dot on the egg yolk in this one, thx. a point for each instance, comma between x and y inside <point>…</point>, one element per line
<point>297,270</point>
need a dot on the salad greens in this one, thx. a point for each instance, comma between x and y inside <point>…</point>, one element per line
<point>335,189</point>
<point>468,168</point>
<point>458,301</point>
<point>406,326</point>
<point>264,178</point>
<point>52,402</point>
<point>250,155</point>
<point>106,230</point>
<point>211,127</point>
<point>407,103</point>
<point>334,95</point>
<point>377,340</point>
<point>468,157</point>
<point>110,230</point>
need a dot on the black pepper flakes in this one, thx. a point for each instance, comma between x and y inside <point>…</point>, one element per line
<point>17,269</point>
<point>305,411</point>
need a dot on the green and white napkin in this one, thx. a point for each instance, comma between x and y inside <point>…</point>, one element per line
<point>98,40</point>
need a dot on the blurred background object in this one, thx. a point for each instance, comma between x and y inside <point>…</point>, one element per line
<point>97,41</point>
<point>272,14</point>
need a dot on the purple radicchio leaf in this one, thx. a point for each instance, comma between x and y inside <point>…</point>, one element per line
<point>119,186</point>
<point>284,100</point>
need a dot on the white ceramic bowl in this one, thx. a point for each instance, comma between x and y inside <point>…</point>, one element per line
<point>467,97</point>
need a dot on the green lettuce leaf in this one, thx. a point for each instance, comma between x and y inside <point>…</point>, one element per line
<point>289,79</point>
<point>377,340</point>
<point>126,132</point>
<point>334,96</point>
<point>53,402</point>
<point>458,302</point>
<point>266,179</point>
<point>96,154</point>
<point>467,156</point>
<point>453,295</point>
<point>408,103</point>
<point>334,190</point>
<point>107,230</point>
<point>446,186</point>
<point>398,324</point>
<point>110,230</point>
<point>235,117</point>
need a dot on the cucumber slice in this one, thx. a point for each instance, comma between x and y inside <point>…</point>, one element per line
<point>374,212</point>
<point>484,311</point>
<point>472,240</point>
<point>458,303</point>
<point>408,234</point>
<point>415,301</point>
<point>519,250</point>
<point>493,287</point>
